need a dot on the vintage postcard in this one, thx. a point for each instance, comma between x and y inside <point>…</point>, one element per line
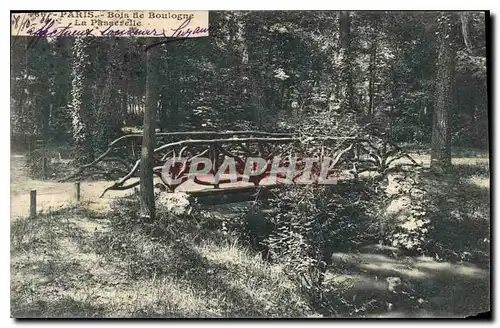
<point>249,164</point>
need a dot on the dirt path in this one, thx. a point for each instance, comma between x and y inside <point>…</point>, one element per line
<point>52,194</point>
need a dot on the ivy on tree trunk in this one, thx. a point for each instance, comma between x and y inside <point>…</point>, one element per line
<point>441,131</point>
<point>81,99</point>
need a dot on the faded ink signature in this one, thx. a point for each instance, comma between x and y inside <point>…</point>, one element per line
<point>184,30</point>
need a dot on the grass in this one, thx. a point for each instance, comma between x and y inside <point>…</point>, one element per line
<point>80,262</point>
<point>74,263</point>
<point>461,225</point>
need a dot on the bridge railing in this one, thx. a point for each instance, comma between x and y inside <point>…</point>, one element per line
<point>129,146</point>
<point>346,153</point>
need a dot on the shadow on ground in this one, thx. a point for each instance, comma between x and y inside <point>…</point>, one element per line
<point>75,262</point>
<point>460,219</point>
<point>413,286</point>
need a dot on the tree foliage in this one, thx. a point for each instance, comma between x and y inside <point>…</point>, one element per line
<point>259,70</point>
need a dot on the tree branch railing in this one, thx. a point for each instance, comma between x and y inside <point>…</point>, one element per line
<point>164,135</point>
<point>358,154</point>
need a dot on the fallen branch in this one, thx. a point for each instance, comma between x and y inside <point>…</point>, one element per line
<point>339,155</point>
<point>80,170</point>
<point>228,140</point>
<point>120,187</point>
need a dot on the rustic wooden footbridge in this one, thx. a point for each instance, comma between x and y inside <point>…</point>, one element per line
<point>350,156</point>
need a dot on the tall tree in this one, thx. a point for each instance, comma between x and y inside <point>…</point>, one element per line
<point>60,121</point>
<point>347,93</point>
<point>441,130</point>
<point>81,99</point>
<point>257,68</point>
<point>149,137</point>
<point>372,67</point>
<point>107,112</point>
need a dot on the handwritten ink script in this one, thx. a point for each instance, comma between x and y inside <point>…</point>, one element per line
<point>176,24</point>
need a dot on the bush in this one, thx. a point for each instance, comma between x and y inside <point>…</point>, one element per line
<point>304,225</point>
<point>407,214</point>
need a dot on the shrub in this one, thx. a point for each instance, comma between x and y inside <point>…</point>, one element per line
<point>304,225</point>
<point>407,216</point>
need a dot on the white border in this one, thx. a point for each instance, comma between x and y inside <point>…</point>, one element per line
<point>195,5</point>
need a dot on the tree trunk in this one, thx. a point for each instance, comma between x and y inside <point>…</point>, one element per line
<point>107,126</point>
<point>441,129</point>
<point>149,137</point>
<point>163,114</point>
<point>464,19</point>
<point>173,96</point>
<point>347,93</point>
<point>81,99</point>
<point>124,105</point>
<point>371,87</point>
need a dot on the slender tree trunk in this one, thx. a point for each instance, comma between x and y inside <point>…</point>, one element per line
<point>371,87</point>
<point>163,67</point>
<point>347,94</point>
<point>464,19</point>
<point>441,130</point>
<point>163,115</point>
<point>172,92</point>
<point>108,126</point>
<point>149,141</point>
<point>42,88</point>
<point>28,110</point>
<point>123,80</point>
<point>124,105</point>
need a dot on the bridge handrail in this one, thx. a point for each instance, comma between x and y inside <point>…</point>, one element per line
<point>382,161</point>
<point>204,133</point>
<point>114,143</point>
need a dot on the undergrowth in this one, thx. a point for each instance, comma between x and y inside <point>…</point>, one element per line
<point>273,258</point>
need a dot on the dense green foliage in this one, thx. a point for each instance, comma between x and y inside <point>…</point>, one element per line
<point>256,69</point>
